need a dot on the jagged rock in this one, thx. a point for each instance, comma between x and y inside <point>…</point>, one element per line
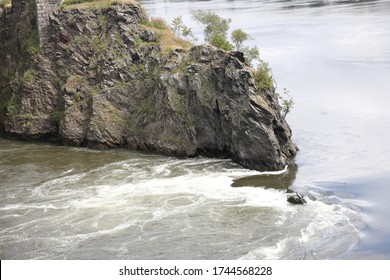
<point>148,36</point>
<point>296,199</point>
<point>239,55</point>
<point>103,80</point>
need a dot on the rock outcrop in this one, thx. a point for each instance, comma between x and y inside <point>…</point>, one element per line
<point>296,199</point>
<point>107,78</point>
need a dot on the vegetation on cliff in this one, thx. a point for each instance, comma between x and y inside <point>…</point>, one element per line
<point>110,77</point>
<point>19,45</point>
<point>93,4</point>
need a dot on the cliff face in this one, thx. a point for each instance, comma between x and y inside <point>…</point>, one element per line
<point>105,78</point>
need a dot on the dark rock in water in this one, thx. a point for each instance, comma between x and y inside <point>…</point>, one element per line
<point>105,79</point>
<point>296,199</point>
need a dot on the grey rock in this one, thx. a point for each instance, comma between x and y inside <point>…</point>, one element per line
<point>114,87</point>
<point>148,36</point>
<point>296,199</point>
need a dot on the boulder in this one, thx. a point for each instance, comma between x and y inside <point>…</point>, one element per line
<point>296,199</point>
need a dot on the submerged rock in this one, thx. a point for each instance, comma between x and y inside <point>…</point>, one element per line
<point>296,199</point>
<point>105,78</point>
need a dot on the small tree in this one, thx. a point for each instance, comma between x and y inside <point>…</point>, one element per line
<point>265,82</point>
<point>215,30</point>
<point>214,26</point>
<point>238,38</point>
<point>181,29</point>
<point>251,55</point>
<point>177,24</point>
<point>287,102</point>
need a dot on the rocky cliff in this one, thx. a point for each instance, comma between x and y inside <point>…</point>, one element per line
<point>108,78</point>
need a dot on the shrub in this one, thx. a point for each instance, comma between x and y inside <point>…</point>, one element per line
<point>181,29</point>
<point>251,54</point>
<point>29,75</point>
<point>287,102</point>
<point>221,42</point>
<point>214,25</point>
<point>264,82</point>
<point>238,38</point>
<point>12,108</point>
<point>215,30</point>
<point>263,77</point>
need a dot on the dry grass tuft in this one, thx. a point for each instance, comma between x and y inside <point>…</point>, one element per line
<point>5,3</point>
<point>169,40</point>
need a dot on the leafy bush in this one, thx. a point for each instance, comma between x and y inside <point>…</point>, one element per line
<point>263,77</point>
<point>181,29</point>
<point>221,42</point>
<point>251,55</point>
<point>238,38</point>
<point>215,30</point>
<point>213,25</point>
<point>264,82</point>
<point>287,102</point>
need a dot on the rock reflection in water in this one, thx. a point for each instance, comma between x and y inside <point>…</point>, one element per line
<point>275,181</point>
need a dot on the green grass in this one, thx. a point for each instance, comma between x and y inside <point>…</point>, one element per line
<point>57,117</point>
<point>29,75</point>
<point>75,81</point>
<point>157,23</point>
<point>12,108</point>
<point>168,40</point>
<point>33,42</point>
<point>78,96</point>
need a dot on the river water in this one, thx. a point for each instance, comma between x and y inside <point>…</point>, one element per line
<point>334,58</point>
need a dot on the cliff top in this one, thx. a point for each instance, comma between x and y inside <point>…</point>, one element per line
<point>166,36</point>
<point>93,4</point>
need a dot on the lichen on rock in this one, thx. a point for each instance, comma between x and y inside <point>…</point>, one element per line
<point>105,78</point>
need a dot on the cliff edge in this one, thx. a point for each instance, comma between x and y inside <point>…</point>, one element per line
<point>106,77</point>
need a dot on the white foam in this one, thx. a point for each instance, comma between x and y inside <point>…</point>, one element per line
<point>316,230</point>
<point>148,196</point>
